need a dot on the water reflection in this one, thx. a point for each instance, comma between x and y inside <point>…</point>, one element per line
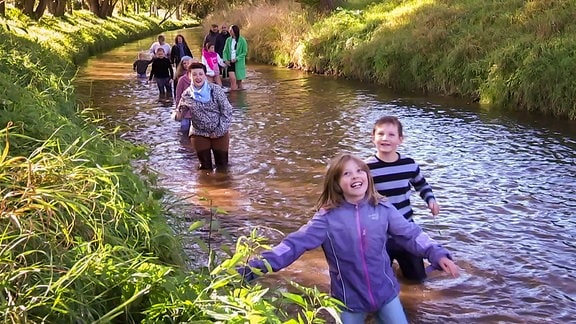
<point>505,182</point>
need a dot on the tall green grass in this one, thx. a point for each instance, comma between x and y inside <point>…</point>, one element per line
<point>83,239</point>
<point>511,53</point>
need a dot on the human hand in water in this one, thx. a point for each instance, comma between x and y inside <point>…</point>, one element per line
<point>449,266</point>
<point>434,207</point>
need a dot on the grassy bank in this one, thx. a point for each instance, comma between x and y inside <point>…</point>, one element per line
<point>515,53</point>
<point>83,238</point>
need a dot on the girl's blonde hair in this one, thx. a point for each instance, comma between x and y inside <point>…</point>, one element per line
<point>332,195</point>
<point>180,70</point>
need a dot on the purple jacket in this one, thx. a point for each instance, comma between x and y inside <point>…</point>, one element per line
<point>353,238</point>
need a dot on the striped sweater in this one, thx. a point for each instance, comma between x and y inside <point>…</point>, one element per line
<point>394,180</point>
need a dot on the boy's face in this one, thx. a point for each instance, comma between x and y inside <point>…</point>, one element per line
<point>386,138</point>
<point>160,53</point>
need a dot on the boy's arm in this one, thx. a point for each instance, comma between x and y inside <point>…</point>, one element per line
<point>425,191</point>
<point>173,55</point>
<point>152,71</point>
<point>411,237</point>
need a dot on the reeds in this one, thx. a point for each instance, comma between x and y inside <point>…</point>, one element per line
<point>516,54</point>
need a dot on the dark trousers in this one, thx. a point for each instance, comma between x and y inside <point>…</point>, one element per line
<point>412,266</point>
<point>164,87</point>
<point>205,146</point>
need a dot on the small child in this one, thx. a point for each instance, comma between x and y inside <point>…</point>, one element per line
<point>163,73</point>
<point>352,224</point>
<point>141,65</point>
<point>213,62</point>
<point>394,175</point>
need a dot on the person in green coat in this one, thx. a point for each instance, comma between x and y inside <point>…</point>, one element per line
<point>235,51</point>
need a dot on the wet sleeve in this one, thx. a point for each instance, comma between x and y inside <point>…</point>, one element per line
<point>412,238</point>
<point>308,237</point>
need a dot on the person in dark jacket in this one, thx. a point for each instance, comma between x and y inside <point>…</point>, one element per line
<point>352,224</point>
<point>163,73</point>
<point>141,65</point>
<point>221,40</point>
<point>179,50</point>
<point>219,47</point>
<point>211,36</point>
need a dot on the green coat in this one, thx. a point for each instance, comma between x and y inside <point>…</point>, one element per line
<point>241,51</point>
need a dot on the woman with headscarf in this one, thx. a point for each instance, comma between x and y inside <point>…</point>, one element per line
<point>235,51</point>
<point>211,116</point>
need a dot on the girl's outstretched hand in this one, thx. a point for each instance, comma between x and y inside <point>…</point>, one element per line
<point>449,266</point>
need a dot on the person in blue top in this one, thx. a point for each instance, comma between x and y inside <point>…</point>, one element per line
<point>394,177</point>
<point>352,224</point>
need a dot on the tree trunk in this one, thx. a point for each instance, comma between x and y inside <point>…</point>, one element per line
<point>57,7</point>
<point>28,8</point>
<point>19,4</point>
<point>40,9</point>
<point>2,8</point>
<point>102,9</point>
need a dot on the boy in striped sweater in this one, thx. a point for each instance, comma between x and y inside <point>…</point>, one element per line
<point>394,175</point>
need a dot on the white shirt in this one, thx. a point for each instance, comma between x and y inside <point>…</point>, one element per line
<point>157,45</point>
<point>233,49</point>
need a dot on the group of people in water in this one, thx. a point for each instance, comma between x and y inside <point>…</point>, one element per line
<point>201,103</point>
<point>363,218</point>
<point>223,53</point>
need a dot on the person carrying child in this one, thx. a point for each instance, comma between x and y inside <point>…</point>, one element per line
<point>352,224</point>
<point>141,65</point>
<point>394,175</point>
<point>163,73</point>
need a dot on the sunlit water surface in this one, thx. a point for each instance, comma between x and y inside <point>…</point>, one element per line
<point>505,182</point>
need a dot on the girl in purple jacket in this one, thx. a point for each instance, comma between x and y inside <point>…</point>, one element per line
<point>352,225</point>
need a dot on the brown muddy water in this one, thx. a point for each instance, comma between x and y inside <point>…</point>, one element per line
<point>506,182</point>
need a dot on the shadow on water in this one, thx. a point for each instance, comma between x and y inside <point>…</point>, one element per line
<point>505,181</point>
